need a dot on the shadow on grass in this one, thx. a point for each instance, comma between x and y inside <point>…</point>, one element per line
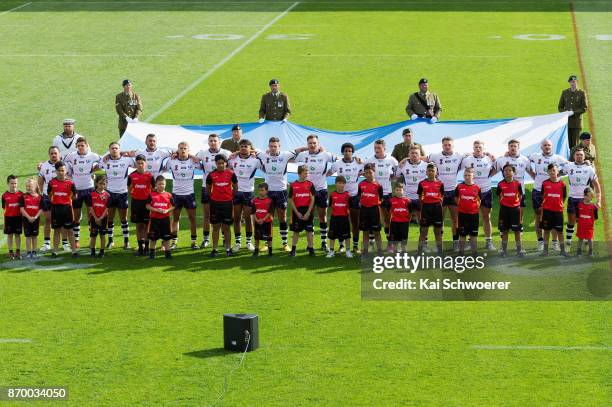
<point>208,353</point>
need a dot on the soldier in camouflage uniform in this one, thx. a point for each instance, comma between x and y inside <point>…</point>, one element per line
<point>424,104</point>
<point>587,146</point>
<point>274,105</point>
<point>401,150</point>
<point>128,106</point>
<point>573,100</point>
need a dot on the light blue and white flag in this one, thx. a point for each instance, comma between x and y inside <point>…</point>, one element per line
<point>530,131</point>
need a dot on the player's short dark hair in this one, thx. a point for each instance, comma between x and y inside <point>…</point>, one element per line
<point>213,135</point>
<point>347,145</point>
<point>368,166</point>
<point>82,140</point>
<point>220,157</point>
<point>588,190</point>
<point>551,166</point>
<point>514,141</point>
<point>302,169</point>
<point>310,137</point>
<point>274,140</point>
<point>509,165</point>
<point>263,185</point>
<point>59,165</point>
<point>340,180</point>
<point>100,178</point>
<point>150,135</point>
<point>53,148</point>
<point>112,143</point>
<point>447,138</point>
<point>380,142</point>
<point>578,149</point>
<point>10,178</point>
<point>431,166</point>
<point>245,142</point>
<point>160,178</point>
<point>140,157</point>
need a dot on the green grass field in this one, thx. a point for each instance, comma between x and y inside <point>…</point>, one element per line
<point>132,332</point>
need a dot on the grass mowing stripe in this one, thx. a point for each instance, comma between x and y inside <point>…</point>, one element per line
<point>15,8</point>
<point>539,347</point>
<point>212,70</point>
<point>15,340</point>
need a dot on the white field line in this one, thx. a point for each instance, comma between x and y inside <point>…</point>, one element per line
<point>540,347</point>
<point>15,340</point>
<point>212,70</point>
<point>15,8</point>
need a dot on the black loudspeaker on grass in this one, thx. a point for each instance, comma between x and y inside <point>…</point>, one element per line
<point>240,330</point>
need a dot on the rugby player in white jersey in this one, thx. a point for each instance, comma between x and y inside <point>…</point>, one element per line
<point>411,171</point>
<point>207,162</point>
<point>539,163</point>
<point>66,141</point>
<point>318,163</point>
<point>46,172</point>
<point>116,166</point>
<point>448,163</point>
<point>350,168</point>
<point>81,165</point>
<point>274,163</point>
<point>183,168</point>
<point>154,156</point>
<point>245,165</point>
<point>385,167</point>
<point>483,169</point>
<point>581,175</point>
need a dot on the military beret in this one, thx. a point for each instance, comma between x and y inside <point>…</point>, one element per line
<point>423,80</point>
<point>572,78</point>
<point>69,121</point>
<point>126,81</point>
<point>273,82</point>
<point>236,127</point>
<point>585,136</point>
<point>407,130</point>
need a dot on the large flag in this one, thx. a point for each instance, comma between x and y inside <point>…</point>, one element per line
<point>530,131</point>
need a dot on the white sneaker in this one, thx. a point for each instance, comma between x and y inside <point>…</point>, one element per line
<point>66,247</point>
<point>349,255</point>
<point>540,245</point>
<point>556,246</point>
<point>173,246</point>
<point>342,249</point>
<point>237,247</point>
<point>45,248</point>
<point>250,247</point>
<point>330,254</point>
<point>489,245</point>
<point>456,246</point>
<point>205,244</point>
<point>426,248</point>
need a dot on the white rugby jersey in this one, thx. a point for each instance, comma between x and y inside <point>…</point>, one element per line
<point>80,169</point>
<point>448,167</point>
<point>385,168</point>
<point>349,170</point>
<point>540,164</point>
<point>275,169</point>
<point>155,159</point>
<point>66,145</point>
<point>208,164</point>
<point>245,169</point>
<point>183,174</point>
<point>318,164</point>
<point>47,173</point>
<point>482,168</point>
<point>520,163</point>
<point>413,174</point>
<point>117,172</point>
<point>580,176</point>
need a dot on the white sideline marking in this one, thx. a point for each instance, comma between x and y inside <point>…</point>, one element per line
<point>15,8</point>
<point>603,37</point>
<point>540,347</point>
<point>40,264</point>
<point>212,70</point>
<point>82,55</point>
<point>15,340</point>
